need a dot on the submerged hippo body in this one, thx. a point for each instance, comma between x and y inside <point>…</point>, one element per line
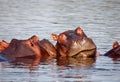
<point>74,43</point>
<point>30,48</point>
<point>114,52</point>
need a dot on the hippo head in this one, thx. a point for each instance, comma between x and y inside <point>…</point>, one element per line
<point>114,52</point>
<point>74,43</point>
<point>22,48</point>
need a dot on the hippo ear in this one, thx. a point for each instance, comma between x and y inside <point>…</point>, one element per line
<point>54,36</point>
<point>34,38</point>
<point>115,44</point>
<point>79,31</point>
<point>62,38</point>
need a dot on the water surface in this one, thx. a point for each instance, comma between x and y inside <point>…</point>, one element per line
<point>100,20</point>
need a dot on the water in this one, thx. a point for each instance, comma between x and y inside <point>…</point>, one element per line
<point>99,18</point>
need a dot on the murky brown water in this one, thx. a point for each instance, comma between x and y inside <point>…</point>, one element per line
<point>100,20</point>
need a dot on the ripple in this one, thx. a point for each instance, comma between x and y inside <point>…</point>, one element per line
<point>100,20</point>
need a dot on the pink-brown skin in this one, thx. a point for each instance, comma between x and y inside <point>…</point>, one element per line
<point>30,48</point>
<point>114,52</point>
<point>74,43</point>
<point>3,45</point>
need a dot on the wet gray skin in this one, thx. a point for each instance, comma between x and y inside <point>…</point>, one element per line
<point>82,48</point>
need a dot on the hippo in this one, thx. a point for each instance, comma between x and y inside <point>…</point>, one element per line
<point>3,45</point>
<point>74,43</point>
<point>29,48</point>
<point>114,52</point>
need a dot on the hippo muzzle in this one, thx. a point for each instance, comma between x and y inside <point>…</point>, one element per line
<point>84,47</point>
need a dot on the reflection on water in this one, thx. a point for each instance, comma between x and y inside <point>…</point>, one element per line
<point>25,62</point>
<point>76,62</point>
<point>100,20</point>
